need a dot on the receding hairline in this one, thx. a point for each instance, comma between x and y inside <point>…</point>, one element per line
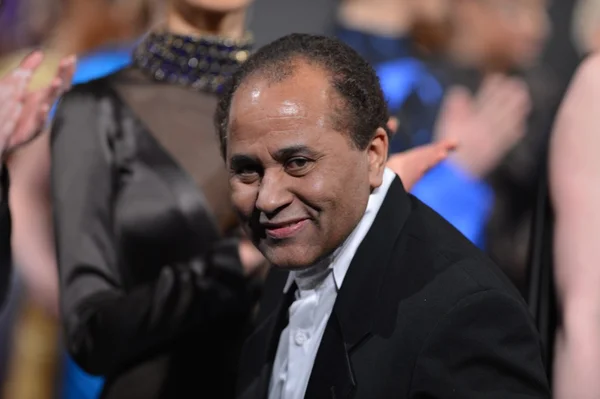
<point>336,113</point>
<point>284,69</point>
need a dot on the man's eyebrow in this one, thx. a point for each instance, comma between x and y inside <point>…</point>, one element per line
<point>238,160</point>
<point>287,152</point>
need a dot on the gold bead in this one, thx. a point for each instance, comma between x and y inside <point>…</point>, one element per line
<point>241,56</point>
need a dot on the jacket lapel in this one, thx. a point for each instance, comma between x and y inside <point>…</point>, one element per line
<point>256,362</point>
<point>332,375</point>
<point>356,308</point>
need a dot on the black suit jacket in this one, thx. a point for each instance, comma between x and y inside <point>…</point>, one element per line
<point>422,313</point>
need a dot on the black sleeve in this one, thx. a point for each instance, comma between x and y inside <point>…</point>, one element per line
<point>486,347</point>
<point>106,326</point>
<point>5,236</point>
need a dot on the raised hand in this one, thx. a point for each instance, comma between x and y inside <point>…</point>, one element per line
<point>23,113</point>
<point>485,127</point>
<point>12,92</point>
<point>413,164</point>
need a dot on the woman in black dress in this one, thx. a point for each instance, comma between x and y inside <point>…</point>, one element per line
<point>155,290</point>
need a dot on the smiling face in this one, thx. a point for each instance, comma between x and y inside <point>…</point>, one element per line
<point>299,185</point>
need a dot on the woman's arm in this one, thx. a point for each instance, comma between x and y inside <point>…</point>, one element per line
<point>32,238</point>
<point>108,327</point>
<point>575,191</point>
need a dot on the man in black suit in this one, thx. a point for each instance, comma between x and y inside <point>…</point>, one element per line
<point>380,297</point>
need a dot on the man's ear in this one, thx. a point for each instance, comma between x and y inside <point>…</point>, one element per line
<point>377,152</point>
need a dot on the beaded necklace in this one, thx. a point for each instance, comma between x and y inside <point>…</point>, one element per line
<point>202,63</point>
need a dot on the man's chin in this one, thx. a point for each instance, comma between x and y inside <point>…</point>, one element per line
<point>285,259</point>
<point>292,257</point>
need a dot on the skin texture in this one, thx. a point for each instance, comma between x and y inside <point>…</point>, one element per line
<point>497,34</point>
<point>218,6</point>
<point>485,126</point>
<point>299,186</point>
<point>24,112</point>
<point>32,244</point>
<point>575,193</point>
<point>212,17</point>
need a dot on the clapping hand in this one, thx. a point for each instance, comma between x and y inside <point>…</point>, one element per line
<point>23,113</point>
<point>486,126</point>
<point>413,164</point>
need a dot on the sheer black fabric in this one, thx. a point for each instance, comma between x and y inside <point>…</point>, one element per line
<point>152,291</point>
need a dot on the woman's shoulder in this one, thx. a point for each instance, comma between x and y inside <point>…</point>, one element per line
<point>98,88</point>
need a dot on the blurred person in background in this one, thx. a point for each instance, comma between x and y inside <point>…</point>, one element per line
<point>156,301</point>
<point>574,179</point>
<point>586,27</point>
<point>475,44</point>
<point>381,32</point>
<point>83,26</point>
<point>23,115</point>
<point>101,33</point>
<point>376,29</point>
<point>29,322</point>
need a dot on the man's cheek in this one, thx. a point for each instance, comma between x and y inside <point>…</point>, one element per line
<point>243,198</point>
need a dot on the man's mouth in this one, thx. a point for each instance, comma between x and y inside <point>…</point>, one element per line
<point>282,230</point>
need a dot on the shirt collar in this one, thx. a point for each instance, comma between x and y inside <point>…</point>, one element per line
<point>341,258</point>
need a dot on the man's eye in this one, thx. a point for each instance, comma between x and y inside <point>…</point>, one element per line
<point>246,172</point>
<point>297,163</point>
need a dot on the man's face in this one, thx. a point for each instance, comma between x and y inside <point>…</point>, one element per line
<point>299,186</point>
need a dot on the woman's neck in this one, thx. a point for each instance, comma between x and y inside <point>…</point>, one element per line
<point>190,21</point>
<point>391,18</point>
<point>466,51</point>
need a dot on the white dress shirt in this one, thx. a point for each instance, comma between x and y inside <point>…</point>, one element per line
<point>308,315</point>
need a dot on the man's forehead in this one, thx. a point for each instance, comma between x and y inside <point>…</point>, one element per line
<point>304,81</point>
<point>298,95</point>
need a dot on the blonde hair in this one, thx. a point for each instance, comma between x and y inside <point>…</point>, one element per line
<point>585,23</point>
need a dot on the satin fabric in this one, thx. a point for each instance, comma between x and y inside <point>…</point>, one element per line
<point>152,290</point>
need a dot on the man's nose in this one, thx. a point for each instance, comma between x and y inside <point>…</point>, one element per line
<point>273,193</point>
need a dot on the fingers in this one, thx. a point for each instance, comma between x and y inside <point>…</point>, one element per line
<point>52,92</point>
<point>32,119</point>
<point>9,117</point>
<point>66,70</point>
<point>456,110</point>
<point>446,145</point>
<point>393,124</point>
<point>413,164</point>
<point>428,156</point>
<point>504,101</point>
<point>32,61</point>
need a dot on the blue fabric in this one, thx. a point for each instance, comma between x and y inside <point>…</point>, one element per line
<point>414,95</point>
<point>101,63</point>
<point>98,64</point>
<point>78,384</point>
<point>398,79</point>
<point>374,48</point>
<point>462,200</point>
